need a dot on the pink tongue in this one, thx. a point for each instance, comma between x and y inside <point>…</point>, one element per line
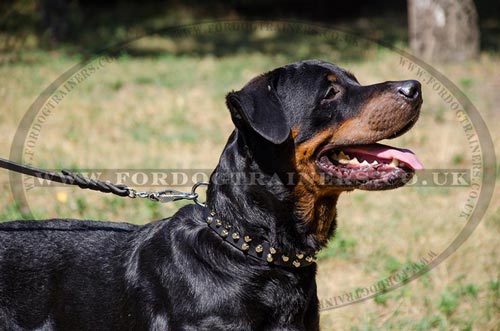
<point>387,152</point>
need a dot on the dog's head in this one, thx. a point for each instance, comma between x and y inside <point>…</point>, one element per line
<point>332,124</point>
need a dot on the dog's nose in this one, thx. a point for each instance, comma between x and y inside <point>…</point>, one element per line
<point>410,89</point>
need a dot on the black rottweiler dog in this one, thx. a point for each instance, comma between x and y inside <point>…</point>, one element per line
<point>304,133</point>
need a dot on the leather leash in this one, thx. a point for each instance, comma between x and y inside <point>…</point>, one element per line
<point>70,178</point>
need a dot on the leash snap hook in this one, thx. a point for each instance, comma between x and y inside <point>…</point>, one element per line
<point>168,196</point>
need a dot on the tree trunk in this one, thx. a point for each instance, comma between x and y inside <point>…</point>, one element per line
<point>443,30</point>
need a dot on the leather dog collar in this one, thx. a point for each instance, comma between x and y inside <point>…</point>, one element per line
<point>259,250</point>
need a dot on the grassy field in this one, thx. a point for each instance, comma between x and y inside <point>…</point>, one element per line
<point>160,105</point>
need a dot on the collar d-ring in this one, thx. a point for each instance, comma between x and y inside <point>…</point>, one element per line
<point>195,195</point>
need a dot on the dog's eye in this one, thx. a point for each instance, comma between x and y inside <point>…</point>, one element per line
<point>331,93</point>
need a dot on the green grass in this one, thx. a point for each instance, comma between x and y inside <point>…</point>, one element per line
<point>11,212</point>
<point>449,302</point>
<point>341,248</point>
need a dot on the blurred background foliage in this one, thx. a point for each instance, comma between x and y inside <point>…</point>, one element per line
<point>87,26</point>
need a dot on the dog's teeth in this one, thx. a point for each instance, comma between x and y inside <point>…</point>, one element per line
<point>342,155</point>
<point>365,163</point>
<point>354,161</point>
<point>343,161</point>
<point>394,163</point>
<point>375,162</point>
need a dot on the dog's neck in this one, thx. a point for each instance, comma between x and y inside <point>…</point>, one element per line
<point>261,203</point>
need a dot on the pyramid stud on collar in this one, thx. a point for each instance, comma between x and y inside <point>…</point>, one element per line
<point>296,264</point>
<point>210,219</point>
<point>300,256</point>
<point>212,213</point>
<point>224,233</point>
<point>245,247</point>
<point>285,258</point>
<point>218,222</point>
<point>269,258</point>
<point>309,259</point>
<point>236,236</point>
<point>247,239</point>
<point>259,249</point>
<point>272,250</point>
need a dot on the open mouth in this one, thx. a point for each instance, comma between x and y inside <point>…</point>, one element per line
<point>368,167</point>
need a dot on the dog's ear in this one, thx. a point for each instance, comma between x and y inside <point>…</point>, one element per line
<point>257,107</point>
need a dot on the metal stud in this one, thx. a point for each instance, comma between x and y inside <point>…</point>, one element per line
<point>245,247</point>
<point>218,222</point>
<point>227,226</point>
<point>236,236</point>
<point>285,258</point>
<point>296,264</point>
<point>316,252</point>
<point>212,213</point>
<point>269,258</point>
<point>300,256</point>
<point>259,249</point>
<point>247,239</point>
<point>272,250</point>
<point>309,259</point>
<point>224,233</point>
<point>210,219</point>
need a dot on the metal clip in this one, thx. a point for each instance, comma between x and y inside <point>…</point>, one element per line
<point>169,195</point>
